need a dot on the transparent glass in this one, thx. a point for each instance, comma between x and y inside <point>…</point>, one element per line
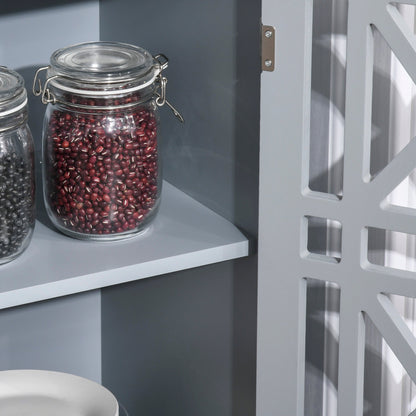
<point>98,65</point>
<point>17,186</point>
<point>102,172</point>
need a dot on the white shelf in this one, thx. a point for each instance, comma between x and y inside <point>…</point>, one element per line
<point>185,234</point>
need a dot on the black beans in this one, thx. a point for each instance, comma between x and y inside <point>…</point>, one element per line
<point>16,204</point>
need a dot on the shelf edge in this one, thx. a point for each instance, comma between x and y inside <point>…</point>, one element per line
<point>120,275</point>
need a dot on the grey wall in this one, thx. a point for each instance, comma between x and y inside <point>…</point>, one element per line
<point>63,334</point>
<point>29,33</point>
<point>182,344</point>
<point>214,79</point>
<point>60,335</point>
<point>192,334</point>
<point>168,342</point>
<point>194,354</point>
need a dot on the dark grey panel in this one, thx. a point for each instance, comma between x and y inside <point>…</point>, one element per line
<point>214,79</point>
<point>167,343</point>
<point>244,336</point>
<point>191,341</point>
<point>59,335</point>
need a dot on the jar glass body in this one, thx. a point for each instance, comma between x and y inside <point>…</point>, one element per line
<point>101,168</point>
<point>17,186</point>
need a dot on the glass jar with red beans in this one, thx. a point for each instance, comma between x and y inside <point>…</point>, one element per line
<point>101,166</point>
<point>17,184</point>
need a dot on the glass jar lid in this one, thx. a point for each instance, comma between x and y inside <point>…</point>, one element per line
<point>106,67</point>
<point>104,70</point>
<point>13,95</point>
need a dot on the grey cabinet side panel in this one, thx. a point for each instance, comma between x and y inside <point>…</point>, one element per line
<point>58,335</point>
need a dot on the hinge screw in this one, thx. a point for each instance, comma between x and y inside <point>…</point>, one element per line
<point>268,33</point>
<point>268,62</point>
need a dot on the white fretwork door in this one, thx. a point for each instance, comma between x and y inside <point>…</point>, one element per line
<point>287,203</point>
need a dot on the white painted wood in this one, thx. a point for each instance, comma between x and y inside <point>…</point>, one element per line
<point>185,234</point>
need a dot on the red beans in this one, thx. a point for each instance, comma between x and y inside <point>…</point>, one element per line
<point>102,170</point>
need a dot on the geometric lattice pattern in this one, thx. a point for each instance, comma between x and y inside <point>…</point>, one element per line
<point>286,200</point>
<point>365,286</point>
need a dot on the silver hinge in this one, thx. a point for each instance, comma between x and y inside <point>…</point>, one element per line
<point>268,35</point>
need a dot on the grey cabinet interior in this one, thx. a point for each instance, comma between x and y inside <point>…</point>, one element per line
<point>182,343</point>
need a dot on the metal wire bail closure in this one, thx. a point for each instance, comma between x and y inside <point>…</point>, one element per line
<point>162,63</point>
<point>47,96</point>
<point>38,89</point>
<point>161,99</point>
<point>37,85</point>
<point>162,60</point>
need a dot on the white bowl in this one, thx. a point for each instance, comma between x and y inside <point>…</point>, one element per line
<point>48,393</point>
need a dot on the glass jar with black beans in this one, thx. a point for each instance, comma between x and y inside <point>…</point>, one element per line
<point>17,185</point>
